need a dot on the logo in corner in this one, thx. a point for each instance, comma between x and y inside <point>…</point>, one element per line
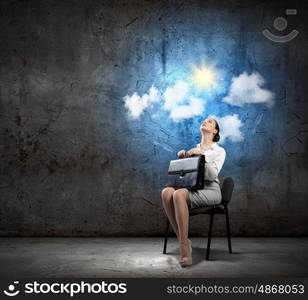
<point>12,291</point>
<point>281,24</point>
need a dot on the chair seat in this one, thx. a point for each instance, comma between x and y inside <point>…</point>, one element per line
<point>216,209</point>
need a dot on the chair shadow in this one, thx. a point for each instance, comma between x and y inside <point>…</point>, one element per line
<point>216,254</point>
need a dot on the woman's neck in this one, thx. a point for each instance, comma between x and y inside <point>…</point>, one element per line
<point>206,140</point>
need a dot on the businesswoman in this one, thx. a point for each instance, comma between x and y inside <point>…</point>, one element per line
<point>177,203</point>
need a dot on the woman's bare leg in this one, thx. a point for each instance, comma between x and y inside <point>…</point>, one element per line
<point>167,199</point>
<point>181,202</point>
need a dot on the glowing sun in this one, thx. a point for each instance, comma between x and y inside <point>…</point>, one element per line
<point>203,77</point>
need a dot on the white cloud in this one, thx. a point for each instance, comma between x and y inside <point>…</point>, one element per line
<point>194,108</point>
<point>247,89</point>
<point>229,128</point>
<point>136,104</point>
<point>174,97</point>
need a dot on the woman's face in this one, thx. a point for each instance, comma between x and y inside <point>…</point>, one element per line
<point>208,126</point>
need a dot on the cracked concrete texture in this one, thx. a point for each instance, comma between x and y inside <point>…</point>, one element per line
<point>72,164</point>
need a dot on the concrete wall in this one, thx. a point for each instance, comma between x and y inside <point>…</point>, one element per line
<point>73,164</point>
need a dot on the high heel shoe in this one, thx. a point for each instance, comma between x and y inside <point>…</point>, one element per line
<point>187,260</point>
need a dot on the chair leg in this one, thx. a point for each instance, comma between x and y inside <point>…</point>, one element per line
<point>228,231</point>
<point>209,237</point>
<point>166,237</point>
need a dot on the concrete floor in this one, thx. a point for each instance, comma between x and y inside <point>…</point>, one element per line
<point>142,257</point>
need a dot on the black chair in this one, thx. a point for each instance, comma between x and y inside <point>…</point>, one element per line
<point>227,186</point>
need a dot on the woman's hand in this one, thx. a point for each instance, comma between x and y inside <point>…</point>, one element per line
<point>194,151</point>
<point>181,153</point>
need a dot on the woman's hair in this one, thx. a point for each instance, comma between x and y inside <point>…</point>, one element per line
<point>216,137</point>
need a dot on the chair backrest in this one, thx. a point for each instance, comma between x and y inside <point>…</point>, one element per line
<point>226,190</point>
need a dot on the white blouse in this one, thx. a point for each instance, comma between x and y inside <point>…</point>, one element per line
<point>215,156</point>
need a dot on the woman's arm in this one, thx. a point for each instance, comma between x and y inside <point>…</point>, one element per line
<point>210,171</point>
<point>194,151</point>
<point>181,153</point>
<point>213,168</point>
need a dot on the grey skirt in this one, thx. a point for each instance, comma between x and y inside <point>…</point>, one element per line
<point>209,195</point>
